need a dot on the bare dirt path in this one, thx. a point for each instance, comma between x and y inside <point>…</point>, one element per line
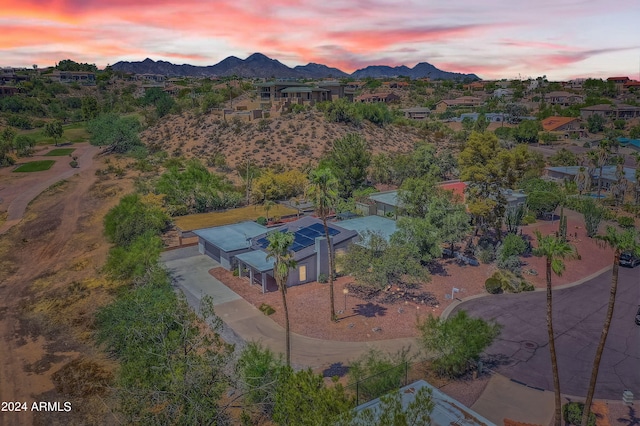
<point>38,252</point>
<point>19,191</point>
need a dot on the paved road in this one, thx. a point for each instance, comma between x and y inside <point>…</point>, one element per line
<point>578,317</point>
<point>244,322</point>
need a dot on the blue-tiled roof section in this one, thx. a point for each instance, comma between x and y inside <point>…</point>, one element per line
<point>608,172</point>
<point>389,198</point>
<point>232,237</point>
<point>383,226</point>
<point>257,260</point>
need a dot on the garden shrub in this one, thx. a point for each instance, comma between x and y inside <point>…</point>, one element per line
<point>266,309</point>
<point>261,221</point>
<point>493,286</point>
<point>626,221</point>
<point>572,414</point>
<point>323,278</point>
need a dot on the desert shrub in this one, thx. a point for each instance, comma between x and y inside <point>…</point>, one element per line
<point>510,263</point>
<point>266,309</point>
<point>73,164</point>
<point>82,377</point>
<point>512,245</point>
<point>323,278</point>
<point>261,221</point>
<point>258,369</point>
<point>132,217</point>
<point>626,221</point>
<point>485,254</point>
<point>528,219</point>
<point>456,342</point>
<point>493,286</point>
<point>572,414</point>
<point>510,282</point>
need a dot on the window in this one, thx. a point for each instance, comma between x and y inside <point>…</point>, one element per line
<point>303,273</point>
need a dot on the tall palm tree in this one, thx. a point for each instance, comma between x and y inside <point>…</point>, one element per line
<point>279,250</point>
<point>620,241</point>
<point>323,193</point>
<point>554,250</point>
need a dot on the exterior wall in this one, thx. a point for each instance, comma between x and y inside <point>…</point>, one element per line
<point>382,209</point>
<point>312,271</point>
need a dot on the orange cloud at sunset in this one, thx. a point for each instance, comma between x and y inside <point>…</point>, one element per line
<point>492,39</point>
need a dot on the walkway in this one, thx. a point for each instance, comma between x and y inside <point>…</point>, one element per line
<point>26,193</point>
<point>191,270</point>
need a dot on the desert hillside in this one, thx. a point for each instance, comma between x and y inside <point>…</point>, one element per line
<point>288,139</point>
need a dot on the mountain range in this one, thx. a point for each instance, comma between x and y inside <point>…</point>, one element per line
<point>261,66</point>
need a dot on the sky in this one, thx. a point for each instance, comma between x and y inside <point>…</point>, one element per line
<point>560,39</point>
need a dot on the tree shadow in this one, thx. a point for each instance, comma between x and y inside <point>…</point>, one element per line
<point>437,268</point>
<point>631,419</point>
<point>335,369</point>
<point>370,310</point>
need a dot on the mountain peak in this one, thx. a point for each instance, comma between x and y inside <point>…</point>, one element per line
<point>260,65</point>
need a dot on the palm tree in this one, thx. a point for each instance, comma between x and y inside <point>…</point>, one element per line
<point>620,241</point>
<point>554,250</point>
<point>279,250</point>
<point>323,192</point>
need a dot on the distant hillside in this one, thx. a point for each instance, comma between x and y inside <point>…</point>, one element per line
<point>261,66</point>
<point>423,69</point>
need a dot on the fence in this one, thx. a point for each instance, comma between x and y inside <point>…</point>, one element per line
<point>372,387</point>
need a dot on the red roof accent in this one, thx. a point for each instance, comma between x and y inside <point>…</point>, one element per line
<point>457,188</point>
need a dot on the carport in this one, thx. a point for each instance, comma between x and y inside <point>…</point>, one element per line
<point>258,266</point>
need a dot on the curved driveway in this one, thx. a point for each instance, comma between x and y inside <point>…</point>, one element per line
<point>578,318</point>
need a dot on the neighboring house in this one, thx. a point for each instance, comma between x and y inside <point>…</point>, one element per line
<point>446,410</point>
<point>563,98</point>
<point>514,198</point>
<point>576,83</point>
<point>157,78</point>
<point>563,126</point>
<point>8,91</point>
<point>492,117</point>
<point>463,101</point>
<point>416,113</point>
<point>81,77</point>
<point>620,111</point>
<point>619,82</point>
<point>455,186</point>
<point>385,203</point>
<point>377,97</point>
<point>631,84</point>
<point>272,91</point>
<point>502,93</point>
<point>476,85</point>
<point>608,175</point>
<point>243,246</point>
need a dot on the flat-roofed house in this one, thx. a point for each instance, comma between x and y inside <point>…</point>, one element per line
<point>614,112</point>
<point>563,98</point>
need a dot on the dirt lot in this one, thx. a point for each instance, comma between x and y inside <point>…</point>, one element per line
<point>49,290</point>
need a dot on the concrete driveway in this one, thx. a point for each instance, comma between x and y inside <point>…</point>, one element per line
<point>578,317</point>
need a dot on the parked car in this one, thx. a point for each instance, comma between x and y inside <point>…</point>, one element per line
<point>638,316</point>
<point>629,260</point>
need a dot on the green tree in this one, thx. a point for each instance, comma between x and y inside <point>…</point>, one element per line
<point>259,371</point>
<point>6,146</point>
<point>595,123</point>
<point>349,159</point>
<point>593,215</point>
<point>53,129</point>
<point>376,373</point>
<point>118,134</point>
<point>89,107</point>
<point>23,144</point>
<point>322,192</point>
<point>448,217</point>
<point>279,249</point>
<point>554,250</point>
<point>302,398</point>
<point>540,202</point>
<point>620,241</point>
<point>378,263</point>
<point>392,412</point>
<point>456,342</point>
<point>414,195</point>
<point>527,131</point>
<point>135,260</point>
<point>132,217</point>
<point>563,157</point>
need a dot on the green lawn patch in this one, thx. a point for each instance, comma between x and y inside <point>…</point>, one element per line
<point>35,166</point>
<point>59,152</point>
<point>74,133</point>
